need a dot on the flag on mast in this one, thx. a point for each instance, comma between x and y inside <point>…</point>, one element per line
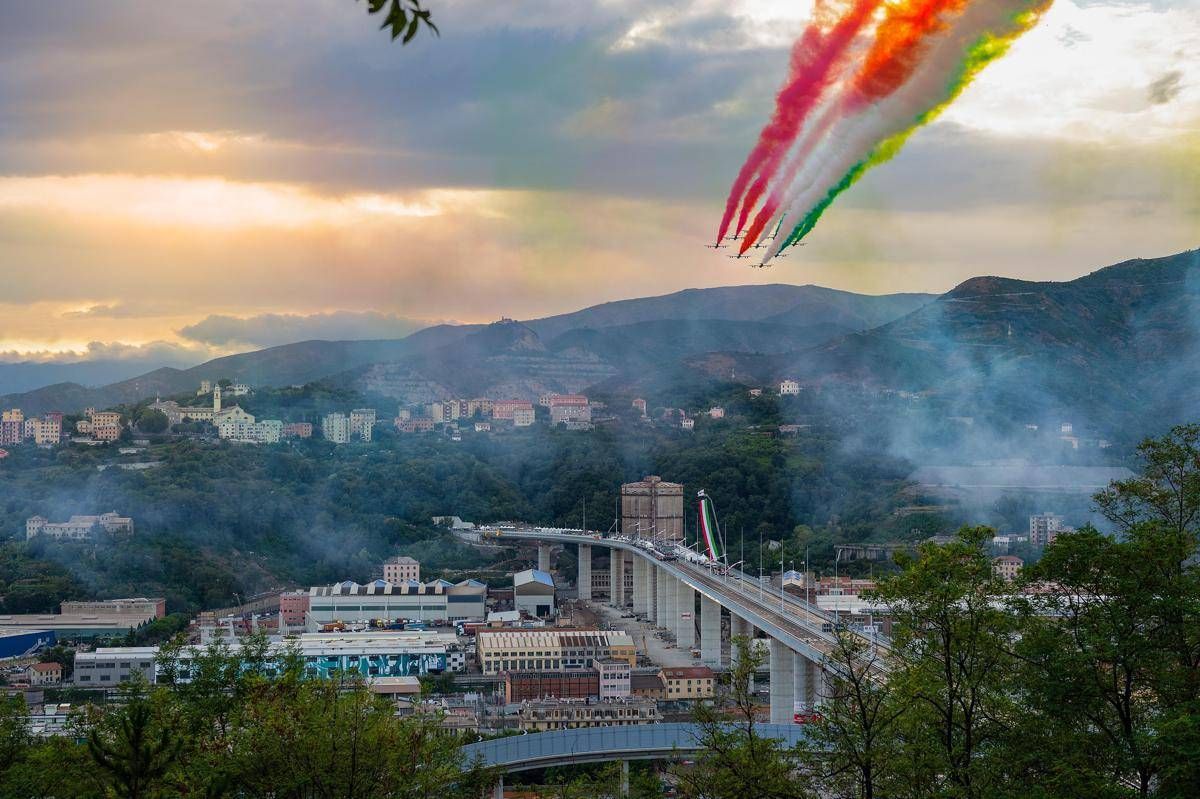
<point>709,531</point>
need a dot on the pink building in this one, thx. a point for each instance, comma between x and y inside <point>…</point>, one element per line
<point>503,409</point>
<point>297,430</point>
<point>293,607</point>
<point>639,405</point>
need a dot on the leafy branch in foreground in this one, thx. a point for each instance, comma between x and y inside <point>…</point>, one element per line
<point>404,18</point>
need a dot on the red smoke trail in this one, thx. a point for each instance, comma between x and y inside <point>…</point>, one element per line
<point>813,60</point>
<point>902,40</point>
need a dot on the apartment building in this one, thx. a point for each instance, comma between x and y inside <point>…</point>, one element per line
<point>362,423</point>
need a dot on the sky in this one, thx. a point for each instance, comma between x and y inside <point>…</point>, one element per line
<point>179,181</point>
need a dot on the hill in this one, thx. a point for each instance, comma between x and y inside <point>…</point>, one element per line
<point>1120,340</point>
<point>561,353</point>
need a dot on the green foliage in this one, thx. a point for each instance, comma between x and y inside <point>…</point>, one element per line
<point>403,18</point>
<point>152,421</point>
<point>135,753</point>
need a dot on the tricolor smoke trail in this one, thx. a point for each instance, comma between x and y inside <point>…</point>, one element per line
<point>864,75</point>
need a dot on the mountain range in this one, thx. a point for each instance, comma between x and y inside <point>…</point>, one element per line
<point>1120,340</point>
<point>508,358</point>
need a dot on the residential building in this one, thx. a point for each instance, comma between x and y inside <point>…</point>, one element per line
<point>568,407</point>
<point>46,431</point>
<point>12,426</point>
<point>523,417</point>
<point>237,425</point>
<point>568,714</point>
<point>411,600</point>
<point>504,409</point>
<point>615,676</point>
<point>40,674</point>
<point>480,406</point>
<point>483,427</point>
<point>77,528</point>
<point>789,388</point>
<point>639,405</point>
<point>421,425</point>
<point>648,685</point>
<point>297,430</point>
<point>403,414</point>
<point>445,411</point>
<point>652,508</point>
<point>688,682</point>
<point>236,389</point>
<point>1045,527</point>
<point>205,388</point>
<point>533,592</point>
<point>687,423</point>
<point>104,425</point>
<point>756,392</point>
<point>716,412</point>
<point>401,568</point>
<point>335,427</point>
<point>549,648</point>
<point>155,607</point>
<point>1007,567</point>
<point>362,423</point>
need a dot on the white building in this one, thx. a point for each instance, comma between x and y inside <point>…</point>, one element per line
<point>78,528</point>
<point>362,423</point>
<point>1045,527</point>
<point>236,389</point>
<point>533,592</point>
<point>439,600</point>
<point>335,427</point>
<point>789,388</point>
<point>522,417</point>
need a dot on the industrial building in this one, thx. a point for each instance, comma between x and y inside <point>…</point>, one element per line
<point>410,600</point>
<point>372,654</point>
<point>533,592</point>
<point>19,643</point>
<point>652,508</point>
<point>547,648</point>
<point>70,626</point>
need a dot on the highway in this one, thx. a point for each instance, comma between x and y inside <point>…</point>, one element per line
<point>794,622</point>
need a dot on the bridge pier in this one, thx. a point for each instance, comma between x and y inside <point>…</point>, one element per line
<point>651,591</point>
<point>821,685</point>
<point>584,581</point>
<point>499,792</point>
<point>739,627</point>
<point>710,632</point>
<point>624,778</point>
<point>616,578</point>
<point>685,612</point>
<point>666,600</point>
<point>802,671</point>
<point>782,683</point>
<point>544,557</point>
<point>639,585</point>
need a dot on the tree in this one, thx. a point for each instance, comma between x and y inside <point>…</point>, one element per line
<point>136,753</point>
<point>152,420</point>
<point>953,636</point>
<point>857,722</point>
<point>737,761</point>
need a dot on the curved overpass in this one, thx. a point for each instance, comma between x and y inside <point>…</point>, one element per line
<point>600,744</point>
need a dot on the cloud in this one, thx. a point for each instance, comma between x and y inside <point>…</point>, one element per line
<point>265,330</point>
<point>160,353</point>
<point>1166,88</point>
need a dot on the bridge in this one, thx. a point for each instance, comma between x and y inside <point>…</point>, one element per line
<point>603,744</point>
<point>670,592</point>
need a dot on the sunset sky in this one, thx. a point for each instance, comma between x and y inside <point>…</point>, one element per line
<point>183,180</point>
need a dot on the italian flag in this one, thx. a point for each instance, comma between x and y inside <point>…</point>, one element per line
<point>709,532</point>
